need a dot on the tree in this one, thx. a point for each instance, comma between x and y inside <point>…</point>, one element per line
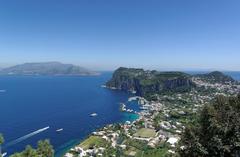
<point>45,149</point>
<point>216,132</point>
<point>29,152</point>
<point>17,155</point>
<point>1,142</point>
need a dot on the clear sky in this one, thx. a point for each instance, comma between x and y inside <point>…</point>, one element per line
<point>106,34</point>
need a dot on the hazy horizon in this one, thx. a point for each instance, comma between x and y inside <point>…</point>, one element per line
<point>104,35</point>
<point>2,66</point>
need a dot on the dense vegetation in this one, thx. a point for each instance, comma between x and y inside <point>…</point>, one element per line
<point>215,132</point>
<point>148,83</point>
<point>1,142</point>
<point>44,149</point>
<point>216,77</point>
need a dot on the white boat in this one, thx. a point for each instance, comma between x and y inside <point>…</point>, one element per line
<point>58,130</point>
<point>4,154</point>
<point>93,114</point>
<point>2,90</point>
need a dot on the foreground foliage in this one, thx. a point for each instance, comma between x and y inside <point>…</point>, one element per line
<point>44,149</point>
<point>216,132</point>
<point>1,142</point>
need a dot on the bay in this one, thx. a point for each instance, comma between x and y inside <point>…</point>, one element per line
<point>31,104</point>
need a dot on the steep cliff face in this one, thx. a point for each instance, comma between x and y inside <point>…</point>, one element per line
<point>149,82</point>
<point>124,79</point>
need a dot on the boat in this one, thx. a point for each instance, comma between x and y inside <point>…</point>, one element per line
<point>4,154</point>
<point>93,114</point>
<point>2,90</point>
<point>59,130</point>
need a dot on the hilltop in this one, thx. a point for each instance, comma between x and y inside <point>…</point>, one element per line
<point>216,77</point>
<point>149,82</point>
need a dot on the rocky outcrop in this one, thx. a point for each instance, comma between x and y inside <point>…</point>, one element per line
<point>149,82</point>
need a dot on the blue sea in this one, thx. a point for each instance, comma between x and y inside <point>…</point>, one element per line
<point>31,104</point>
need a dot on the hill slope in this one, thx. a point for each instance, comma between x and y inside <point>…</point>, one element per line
<point>46,68</point>
<point>216,77</point>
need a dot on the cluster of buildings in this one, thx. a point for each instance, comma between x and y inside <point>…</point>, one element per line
<point>223,88</point>
<point>80,152</point>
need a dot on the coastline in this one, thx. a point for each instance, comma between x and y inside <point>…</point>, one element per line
<point>74,117</point>
<point>127,117</point>
<point>143,129</point>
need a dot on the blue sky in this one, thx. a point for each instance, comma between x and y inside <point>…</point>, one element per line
<point>106,34</point>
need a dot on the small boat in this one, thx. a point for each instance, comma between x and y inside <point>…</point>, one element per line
<point>59,130</point>
<point>4,154</point>
<point>93,114</point>
<point>2,91</point>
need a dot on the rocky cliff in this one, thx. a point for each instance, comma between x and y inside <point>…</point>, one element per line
<point>149,82</point>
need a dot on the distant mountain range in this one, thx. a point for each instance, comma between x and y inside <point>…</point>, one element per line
<point>46,68</point>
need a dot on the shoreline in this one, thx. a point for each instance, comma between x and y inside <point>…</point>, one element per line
<point>127,117</point>
<point>160,122</point>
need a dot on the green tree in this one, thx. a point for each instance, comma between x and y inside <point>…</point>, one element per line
<point>216,132</point>
<point>29,152</point>
<point>1,142</point>
<point>45,149</point>
<point>17,155</point>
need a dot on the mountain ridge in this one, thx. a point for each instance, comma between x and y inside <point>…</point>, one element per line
<point>216,77</point>
<point>146,82</point>
<point>46,68</point>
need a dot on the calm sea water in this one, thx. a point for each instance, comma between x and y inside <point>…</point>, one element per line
<point>29,104</point>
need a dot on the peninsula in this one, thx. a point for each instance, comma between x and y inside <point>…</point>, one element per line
<point>170,102</point>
